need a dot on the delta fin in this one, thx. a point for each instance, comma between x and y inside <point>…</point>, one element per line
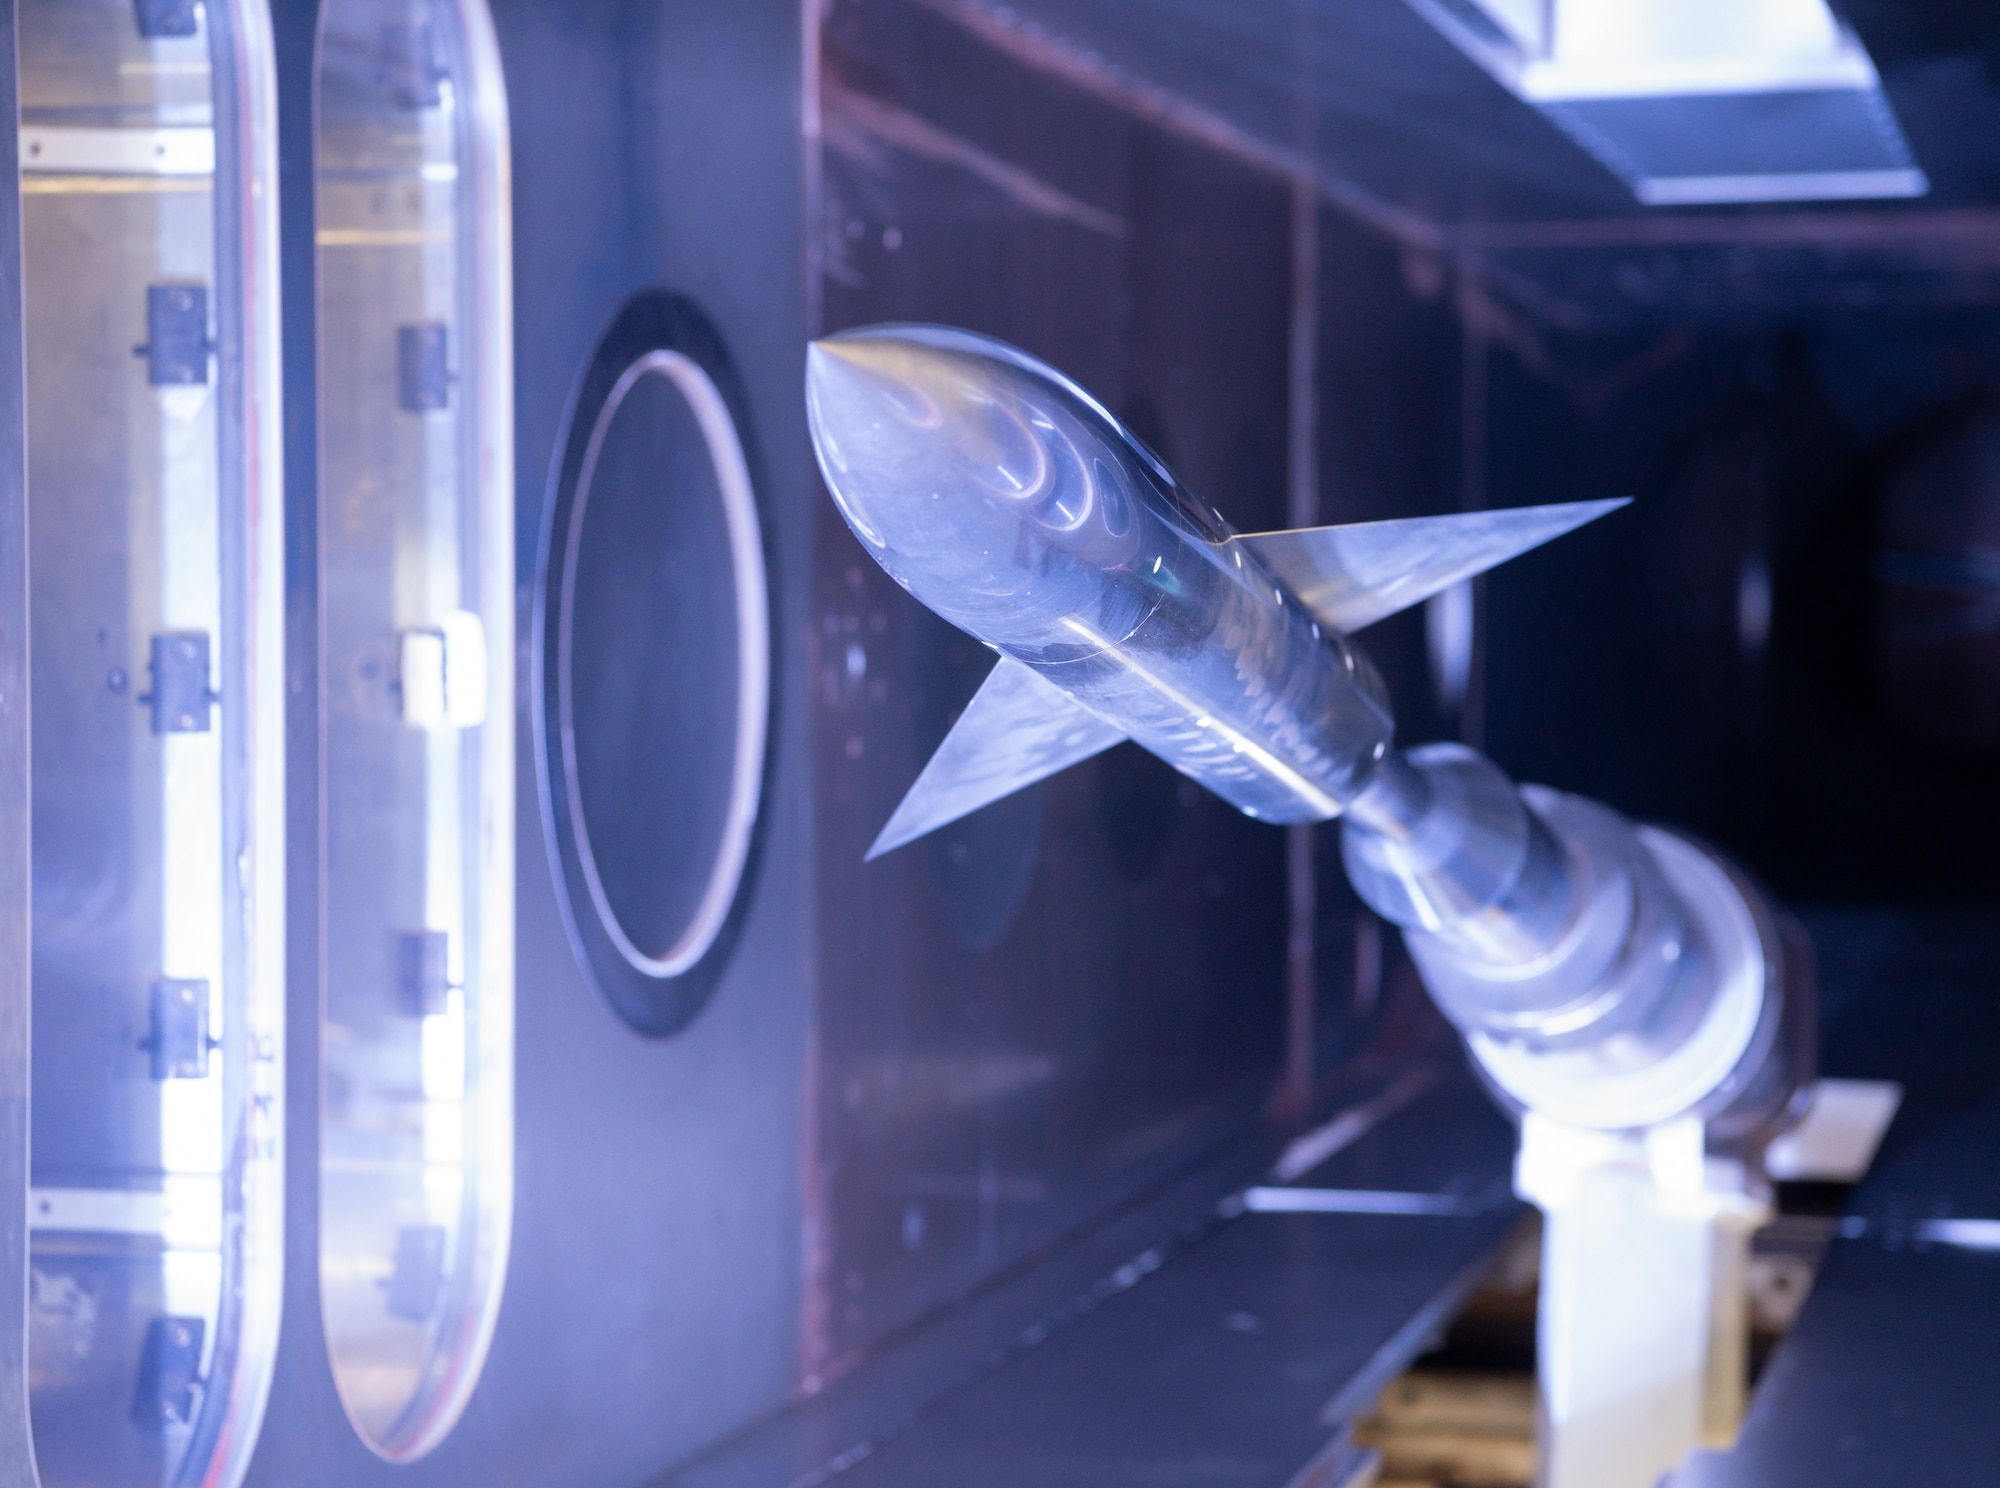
<point>1017,729</point>
<point>1352,576</point>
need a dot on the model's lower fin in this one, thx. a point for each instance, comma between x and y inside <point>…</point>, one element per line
<point>1016,730</point>
<point>1353,576</point>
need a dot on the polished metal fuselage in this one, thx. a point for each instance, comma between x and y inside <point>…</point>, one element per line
<point>1014,506</point>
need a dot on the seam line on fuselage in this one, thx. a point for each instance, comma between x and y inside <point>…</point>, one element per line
<point>1248,748</point>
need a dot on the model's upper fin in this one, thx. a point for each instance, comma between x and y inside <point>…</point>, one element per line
<point>1016,730</point>
<point>1353,576</point>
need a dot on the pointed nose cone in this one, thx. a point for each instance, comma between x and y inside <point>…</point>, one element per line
<point>962,463</point>
<point>838,399</point>
<point>873,428</point>
<point>855,386</point>
<point>922,443</point>
<point>984,482</point>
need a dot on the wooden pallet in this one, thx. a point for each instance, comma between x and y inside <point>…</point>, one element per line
<point>1449,1430</point>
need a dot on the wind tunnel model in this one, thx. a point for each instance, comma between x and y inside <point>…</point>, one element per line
<point>1624,989</point>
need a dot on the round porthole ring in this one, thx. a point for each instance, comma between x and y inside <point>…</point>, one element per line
<point>655,334</point>
<point>739,507</point>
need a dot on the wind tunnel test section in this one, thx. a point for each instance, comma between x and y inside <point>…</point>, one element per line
<point>1620,989</point>
<point>878,743</point>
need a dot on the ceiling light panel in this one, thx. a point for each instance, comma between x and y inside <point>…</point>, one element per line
<point>1699,101</point>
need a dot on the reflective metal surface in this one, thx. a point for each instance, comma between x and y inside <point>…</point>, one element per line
<point>1353,575</point>
<point>1019,728</point>
<point>416,547</point>
<point>1015,507</point>
<point>156,582</point>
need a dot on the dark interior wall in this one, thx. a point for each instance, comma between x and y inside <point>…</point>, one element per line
<point>1389,433</point>
<point>1390,419</point>
<point>1032,1015</point>
<point>652,1300</point>
<point>1640,660</point>
<point>1714,656</point>
<point>1612,663</point>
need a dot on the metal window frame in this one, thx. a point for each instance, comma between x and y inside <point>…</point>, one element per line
<point>17,1463</point>
<point>487,297</point>
<point>250,436</point>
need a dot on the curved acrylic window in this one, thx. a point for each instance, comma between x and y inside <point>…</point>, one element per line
<point>416,586</point>
<point>156,666</point>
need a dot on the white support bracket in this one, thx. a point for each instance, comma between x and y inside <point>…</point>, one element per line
<point>1643,1329</point>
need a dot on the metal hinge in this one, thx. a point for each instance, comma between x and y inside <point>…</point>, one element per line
<point>416,1282</point>
<point>160,19</point>
<point>179,1041</point>
<point>423,971</point>
<point>181,696</point>
<point>423,367</point>
<point>177,344</point>
<point>169,1372</point>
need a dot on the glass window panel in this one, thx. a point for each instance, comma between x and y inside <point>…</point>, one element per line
<point>416,588</point>
<point>155,594</point>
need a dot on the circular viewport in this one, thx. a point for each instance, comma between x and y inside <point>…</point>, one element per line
<point>655,668</point>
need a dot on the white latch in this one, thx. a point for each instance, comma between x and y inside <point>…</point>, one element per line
<point>443,669</point>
